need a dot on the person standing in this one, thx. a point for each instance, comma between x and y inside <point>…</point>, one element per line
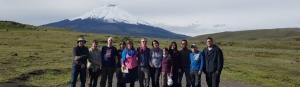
<point>80,56</point>
<point>196,66</point>
<point>155,64</point>
<point>176,63</point>
<point>185,64</point>
<point>95,61</point>
<point>119,73</point>
<point>167,67</point>
<point>129,62</point>
<point>109,61</point>
<point>214,60</point>
<point>143,55</point>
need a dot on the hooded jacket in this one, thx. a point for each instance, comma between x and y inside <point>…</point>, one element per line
<point>196,61</point>
<point>214,59</point>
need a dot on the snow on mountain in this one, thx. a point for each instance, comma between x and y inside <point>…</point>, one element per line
<point>112,14</point>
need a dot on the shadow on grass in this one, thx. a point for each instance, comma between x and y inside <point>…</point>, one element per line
<point>21,80</point>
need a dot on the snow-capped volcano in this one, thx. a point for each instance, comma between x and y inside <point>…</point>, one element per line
<point>111,13</point>
<point>110,19</point>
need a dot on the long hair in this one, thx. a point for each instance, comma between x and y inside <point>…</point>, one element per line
<point>130,42</point>
<point>171,51</point>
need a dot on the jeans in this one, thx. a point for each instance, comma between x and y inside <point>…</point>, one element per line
<point>119,76</point>
<point>93,77</point>
<point>143,76</point>
<point>75,71</point>
<point>154,74</point>
<point>213,79</point>
<point>195,78</point>
<point>175,77</point>
<point>107,74</point>
<point>187,77</point>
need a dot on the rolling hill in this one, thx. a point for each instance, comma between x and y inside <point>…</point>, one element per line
<point>253,34</point>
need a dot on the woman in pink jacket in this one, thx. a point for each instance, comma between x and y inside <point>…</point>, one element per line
<point>129,62</point>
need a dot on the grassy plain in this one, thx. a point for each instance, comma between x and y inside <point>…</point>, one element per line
<point>41,56</point>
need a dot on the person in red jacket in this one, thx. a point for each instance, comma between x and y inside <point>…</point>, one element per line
<point>167,67</point>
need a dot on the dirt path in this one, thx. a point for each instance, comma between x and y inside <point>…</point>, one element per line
<point>203,83</point>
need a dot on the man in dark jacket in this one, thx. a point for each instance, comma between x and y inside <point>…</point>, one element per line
<point>213,57</point>
<point>185,64</point>
<point>80,56</point>
<point>143,63</point>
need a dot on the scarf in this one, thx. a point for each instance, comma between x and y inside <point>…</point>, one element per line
<point>143,48</point>
<point>165,55</point>
<point>130,53</point>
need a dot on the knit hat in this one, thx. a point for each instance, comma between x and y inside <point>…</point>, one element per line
<point>81,39</point>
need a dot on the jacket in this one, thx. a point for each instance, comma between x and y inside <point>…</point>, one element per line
<point>185,58</point>
<point>119,64</point>
<point>144,57</point>
<point>129,61</point>
<point>167,65</point>
<point>197,61</point>
<point>94,58</point>
<point>156,57</point>
<point>214,59</point>
<point>175,59</point>
<point>83,52</point>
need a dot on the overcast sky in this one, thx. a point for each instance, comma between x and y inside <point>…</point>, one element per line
<point>189,17</point>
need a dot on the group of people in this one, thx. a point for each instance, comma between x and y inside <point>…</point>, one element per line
<point>144,64</point>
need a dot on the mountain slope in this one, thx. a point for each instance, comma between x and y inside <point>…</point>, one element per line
<point>252,34</point>
<point>110,19</point>
<point>94,26</point>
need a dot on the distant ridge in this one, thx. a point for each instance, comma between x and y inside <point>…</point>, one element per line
<point>252,34</point>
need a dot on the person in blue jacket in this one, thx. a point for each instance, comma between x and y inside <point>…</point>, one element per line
<point>196,66</point>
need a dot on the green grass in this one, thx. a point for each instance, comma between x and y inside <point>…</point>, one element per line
<point>50,78</point>
<point>44,57</point>
<point>45,49</point>
<point>264,68</point>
